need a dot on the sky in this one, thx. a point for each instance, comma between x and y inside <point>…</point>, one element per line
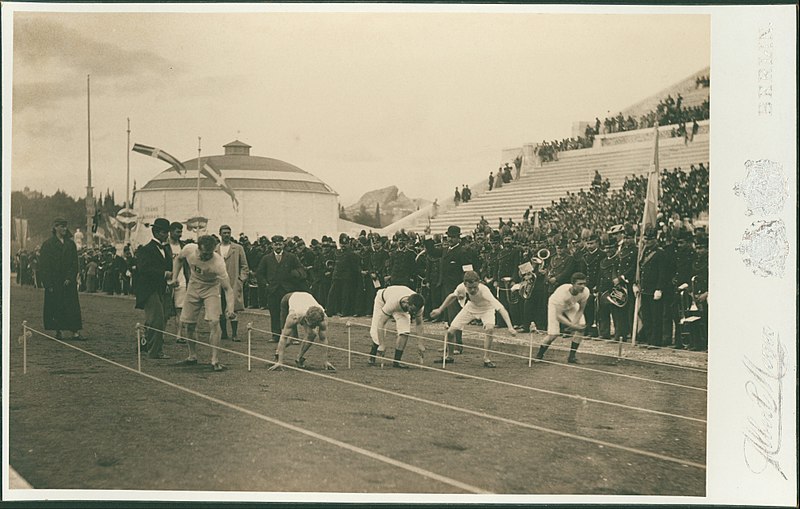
<point>423,101</point>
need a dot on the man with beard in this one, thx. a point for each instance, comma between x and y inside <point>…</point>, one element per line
<point>238,270</point>
<point>282,273</point>
<point>609,277</point>
<point>590,261</point>
<point>562,265</point>
<point>58,270</point>
<point>507,273</point>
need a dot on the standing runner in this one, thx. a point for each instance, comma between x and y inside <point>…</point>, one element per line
<point>206,273</point>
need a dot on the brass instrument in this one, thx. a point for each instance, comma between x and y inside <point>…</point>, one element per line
<point>616,296</point>
<point>526,286</point>
<point>543,254</point>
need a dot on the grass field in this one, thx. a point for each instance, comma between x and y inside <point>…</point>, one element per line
<point>77,421</point>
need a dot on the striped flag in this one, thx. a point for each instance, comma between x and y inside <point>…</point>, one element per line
<point>218,179</point>
<point>159,154</point>
<point>649,217</point>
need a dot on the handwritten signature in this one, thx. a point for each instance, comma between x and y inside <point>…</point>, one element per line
<point>763,430</point>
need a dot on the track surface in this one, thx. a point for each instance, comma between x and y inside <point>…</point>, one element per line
<point>77,422</point>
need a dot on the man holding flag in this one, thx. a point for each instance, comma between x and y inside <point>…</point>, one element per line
<point>650,263</point>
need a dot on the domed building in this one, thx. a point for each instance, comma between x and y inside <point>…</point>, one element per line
<point>271,197</point>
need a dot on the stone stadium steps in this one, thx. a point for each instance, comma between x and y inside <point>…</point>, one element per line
<point>573,171</point>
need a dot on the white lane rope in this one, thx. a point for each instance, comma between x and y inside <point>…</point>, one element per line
<point>338,443</point>
<point>559,364</point>
<point>628,346</point>
<point>505,420</point>
<point>491,380</point>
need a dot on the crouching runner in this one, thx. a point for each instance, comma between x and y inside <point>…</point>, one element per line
<point>401,304</point>
<point>565,311</point>
<point>481,304</point>
<point>300,308</point>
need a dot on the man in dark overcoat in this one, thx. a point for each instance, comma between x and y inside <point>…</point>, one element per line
<point>58,270</point>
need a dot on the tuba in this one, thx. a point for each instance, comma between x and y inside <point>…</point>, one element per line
<point>543,254</point>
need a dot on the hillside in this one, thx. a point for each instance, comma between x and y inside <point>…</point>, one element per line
<point>394,205</point>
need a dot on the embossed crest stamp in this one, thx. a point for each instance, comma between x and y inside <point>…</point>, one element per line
<point>765,187</point>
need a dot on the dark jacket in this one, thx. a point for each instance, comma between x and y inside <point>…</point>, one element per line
<point>151,267</point>
<point>287,276</point>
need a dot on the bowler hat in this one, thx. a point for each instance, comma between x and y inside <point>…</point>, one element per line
<point>161,224</point>
<point>59,221</point>
<point>453,231</point>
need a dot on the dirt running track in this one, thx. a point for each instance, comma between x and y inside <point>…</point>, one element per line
<point>77,422</point>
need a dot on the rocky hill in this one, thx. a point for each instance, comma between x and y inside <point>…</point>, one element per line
<point>394,205</point>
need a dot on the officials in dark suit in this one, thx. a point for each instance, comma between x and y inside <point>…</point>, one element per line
<point>282,273</point>
<point>154,262</point>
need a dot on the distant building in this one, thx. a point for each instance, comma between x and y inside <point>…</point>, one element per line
<point>274,197</point>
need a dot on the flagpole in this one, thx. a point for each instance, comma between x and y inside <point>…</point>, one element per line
<point>90,208</point>
<point>128,185</point>
<point>198,176</point>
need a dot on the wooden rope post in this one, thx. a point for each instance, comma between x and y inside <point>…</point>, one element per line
<point>139,346</point>
<point>249,339</point>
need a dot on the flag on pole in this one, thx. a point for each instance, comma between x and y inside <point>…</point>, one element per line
<point>218,179</point>
<point>649,217</point>
<point>159,154</point>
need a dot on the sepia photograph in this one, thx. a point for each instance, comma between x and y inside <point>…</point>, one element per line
<point>399,253</point>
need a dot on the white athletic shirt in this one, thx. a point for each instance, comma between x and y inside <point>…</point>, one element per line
<point>204,274</point>
<point>482,301</point>
<point>390,297</point>
<point>300,302</point>
<point>563,300</point>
